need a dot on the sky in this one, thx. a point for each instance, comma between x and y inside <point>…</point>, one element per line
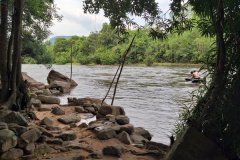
<point>75,22</point>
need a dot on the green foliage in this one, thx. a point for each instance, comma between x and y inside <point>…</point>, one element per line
<point>106,47</point>
<point>28,60</point>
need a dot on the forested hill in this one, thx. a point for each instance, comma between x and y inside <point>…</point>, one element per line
<point>104,47</point>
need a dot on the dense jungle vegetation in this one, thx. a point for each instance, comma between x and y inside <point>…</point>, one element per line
<point>105,47</point>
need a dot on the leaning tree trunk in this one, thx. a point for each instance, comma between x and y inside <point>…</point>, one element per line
<point>3,50</point>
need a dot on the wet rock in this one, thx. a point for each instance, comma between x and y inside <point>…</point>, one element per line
<point>32,135</point>
<point>129,128</point>
<point>49,99</point>
<point>138,139</point>
<point>30,148</point>
<point>15,117</point>
<point>68,119</point>
<point>124,137</point>
<point>8,140</point>
<point>46,121</point>
<point>104,133</point>
<point>80,109</point>
<point>57,111</point>
<point>192,145</point>
<point>17,129</point>
<point>113,151</point>
<point>121,119</point>
<point>68,136</point>
<point>3,125</point>
<point>12,154</point>
<point>143,132</point>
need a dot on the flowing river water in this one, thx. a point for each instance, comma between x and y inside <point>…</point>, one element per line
<point>151,96</point>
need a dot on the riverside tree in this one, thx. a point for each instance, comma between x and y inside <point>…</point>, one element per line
<point>37,18</point>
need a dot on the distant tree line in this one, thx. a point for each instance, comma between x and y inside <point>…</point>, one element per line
<point>106,47</point>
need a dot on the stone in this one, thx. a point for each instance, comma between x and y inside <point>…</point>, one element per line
<point>30,148</point>
<point>113,150</point>
<point>42,149</point>
<point>138,139</point>
<point>35,102</point>
<point>54,75</point>
<point>80,109</point>
<point>105,133</point>
<point>96,154</point>
<point>12,154</point>
<point>68,119</point>
<point>46,92</point>
<point>90,110</point>
<point>143,132</point>
<point>149,145</point>
<point>111,118</point>
<point>31,135</point>
<point>46,107</point>
<point>193,145</point>
<point>15,117</point>
<point>49,99</point>
<point>83,125</point>
<point>17,129</point>
<point>114,110</point>
<point>129,128</point>
<point>57,141</point>
<point>57,111</point>
<point>61,86</point>
<point>3,125</point>
<point>45,132</point>
<point>122,119</point>
<point>86,102</point>
<point>124,137</point>
<point>8,140</point>
<point>46,121</point>
<point>21,143</point>
<point>68,136</point>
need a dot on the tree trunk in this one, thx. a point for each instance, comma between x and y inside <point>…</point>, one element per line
<point>3,50</point>
<point>17,42</point>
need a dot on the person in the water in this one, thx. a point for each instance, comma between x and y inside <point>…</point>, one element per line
<point>195,75</point>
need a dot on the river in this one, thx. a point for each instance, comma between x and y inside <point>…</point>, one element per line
<point>151,96</point>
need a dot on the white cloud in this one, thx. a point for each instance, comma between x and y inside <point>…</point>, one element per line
<point>75,22</point>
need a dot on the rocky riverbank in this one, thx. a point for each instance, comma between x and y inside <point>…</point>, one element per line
<point>82,129</point>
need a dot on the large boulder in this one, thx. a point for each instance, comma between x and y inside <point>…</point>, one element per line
<point>193,145</point>
<point>32,83</point>
<point>8,140</point>
<point>104,133</point>
<point>68,119</point>
<point>59,81</point>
